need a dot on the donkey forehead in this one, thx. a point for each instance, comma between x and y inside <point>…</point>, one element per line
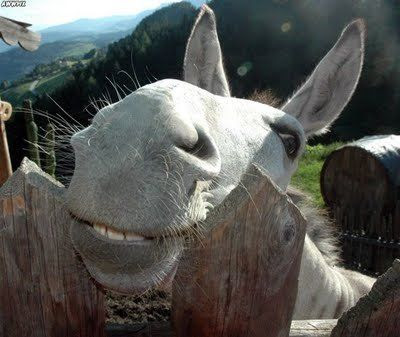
<point>166,105</point>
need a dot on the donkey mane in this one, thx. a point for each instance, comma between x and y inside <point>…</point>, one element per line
<point>320,229</point>
<point>265,97</point>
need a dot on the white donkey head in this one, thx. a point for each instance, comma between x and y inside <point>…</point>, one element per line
<point>139,162</point>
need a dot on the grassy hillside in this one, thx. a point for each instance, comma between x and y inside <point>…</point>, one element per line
<point>308,174</point>
<point>45,78</point>
<point>48,84</point>
<point>17,62</point>
<point>33,88</point>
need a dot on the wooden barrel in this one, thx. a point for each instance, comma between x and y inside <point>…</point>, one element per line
<point>360,183</point>
<point>365,173</point>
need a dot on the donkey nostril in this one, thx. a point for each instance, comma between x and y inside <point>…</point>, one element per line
<point>203,148</point>
<point>202,153</point>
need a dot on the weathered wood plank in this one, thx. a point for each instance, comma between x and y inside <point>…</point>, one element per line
<point>377,313</point>
<point>312,328</point>
<point>44,288</point>
<point>13,32</point>
<point>241,278</point>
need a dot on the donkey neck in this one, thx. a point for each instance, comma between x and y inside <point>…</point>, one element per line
<point>325,291</point>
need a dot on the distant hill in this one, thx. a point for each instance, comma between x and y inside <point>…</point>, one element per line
<point>99,26</point>
<point>17,62</point>
<point>155,48</point>
<point>84,27</point>
<point>45,78</point>
<point>70,39</point>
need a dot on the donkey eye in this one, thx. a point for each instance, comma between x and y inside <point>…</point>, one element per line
<point>291,144</point>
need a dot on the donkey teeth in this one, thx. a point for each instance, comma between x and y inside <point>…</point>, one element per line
<point>100,229</point>
<point>114,234</point>
<point>133,237</point>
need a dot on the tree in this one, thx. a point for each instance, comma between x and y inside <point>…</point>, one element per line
<point>4,85</point>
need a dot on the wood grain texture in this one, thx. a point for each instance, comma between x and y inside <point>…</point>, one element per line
<point>364,173</point>
<point>44,288</point>
<point>241,278</point>
<point>13,32</point>
<point>378,313</point>
<point>312,328</point>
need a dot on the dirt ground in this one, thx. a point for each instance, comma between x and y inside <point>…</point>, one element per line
<point>152,306</point>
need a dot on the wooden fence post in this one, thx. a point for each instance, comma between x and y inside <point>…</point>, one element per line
<point>241,278</point>
<point>377,314</point>
<point>44,289</point>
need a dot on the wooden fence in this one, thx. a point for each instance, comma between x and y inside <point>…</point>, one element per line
<point>370,241</point>
<point>44,288</point>
<point>376,315</point>
<point>255,244</point>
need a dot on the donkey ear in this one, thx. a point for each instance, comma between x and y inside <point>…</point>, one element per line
<point>328,90</point>
<point>203,58</point>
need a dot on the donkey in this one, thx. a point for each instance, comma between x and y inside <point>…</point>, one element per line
<point>137,165</point>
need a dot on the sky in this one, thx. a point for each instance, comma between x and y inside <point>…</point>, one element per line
<point>45,13</point>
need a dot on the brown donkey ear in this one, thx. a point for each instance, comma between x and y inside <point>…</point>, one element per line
<point>203,59</point>
<point>329,88</point>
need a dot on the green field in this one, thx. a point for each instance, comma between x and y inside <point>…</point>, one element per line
<point>16,94</point>
<point>308,174</point>
<point>16,63</point>
<point>44,85</point>
<point>48,84</point>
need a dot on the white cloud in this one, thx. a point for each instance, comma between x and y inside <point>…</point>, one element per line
<point>52,12</point>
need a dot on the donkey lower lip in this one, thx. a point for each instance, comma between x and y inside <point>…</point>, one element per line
<point>124,266</point>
